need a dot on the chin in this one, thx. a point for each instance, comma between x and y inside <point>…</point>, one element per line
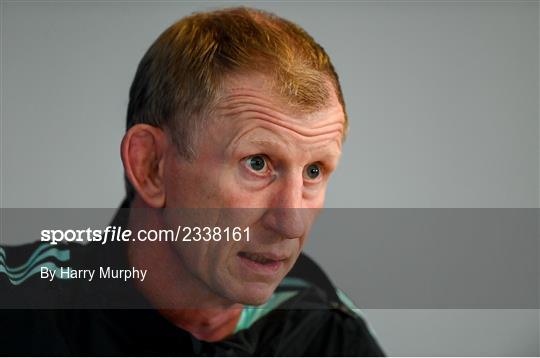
<point>256,294</point>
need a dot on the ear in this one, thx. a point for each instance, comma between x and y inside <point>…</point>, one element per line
<point>143,154</point>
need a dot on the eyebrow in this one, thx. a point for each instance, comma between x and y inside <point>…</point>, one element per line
<point>265,142</point>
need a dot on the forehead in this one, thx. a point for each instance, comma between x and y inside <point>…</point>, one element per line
<point>251,100</point>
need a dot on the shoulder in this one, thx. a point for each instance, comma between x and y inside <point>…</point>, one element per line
<point>21,263</point>
<point>21,266</point>
<point>308,315</point>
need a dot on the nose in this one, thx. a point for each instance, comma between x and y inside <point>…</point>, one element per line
<point>285,215</point>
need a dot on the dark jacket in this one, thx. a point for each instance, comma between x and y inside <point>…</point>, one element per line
<point>305,316</point>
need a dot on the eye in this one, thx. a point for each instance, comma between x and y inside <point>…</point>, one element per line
<point>256,163</point>
<point>313,171</point>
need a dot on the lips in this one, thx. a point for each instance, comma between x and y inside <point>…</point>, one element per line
<point>262,263</point>
<point>262,258</point>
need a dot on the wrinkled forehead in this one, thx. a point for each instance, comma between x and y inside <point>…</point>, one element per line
<point>259,94</point>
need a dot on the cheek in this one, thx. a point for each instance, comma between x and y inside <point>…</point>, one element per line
<point>237,192</point>
<point>220,266</point>
<point>203,259</point>
<point>236,198</point>
<point>190,186</point>
<point>226,190</point>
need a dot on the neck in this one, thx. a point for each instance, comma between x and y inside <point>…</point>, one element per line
<point>172,290</point>
<point>210,324</point>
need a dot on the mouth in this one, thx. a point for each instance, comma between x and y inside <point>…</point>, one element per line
<point>263,263</point>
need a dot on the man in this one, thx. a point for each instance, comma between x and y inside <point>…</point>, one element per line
<point>235,120</point>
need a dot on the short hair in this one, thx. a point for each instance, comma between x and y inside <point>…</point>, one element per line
<point>178,80</point>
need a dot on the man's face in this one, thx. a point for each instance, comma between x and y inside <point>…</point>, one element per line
<point>265,167</point>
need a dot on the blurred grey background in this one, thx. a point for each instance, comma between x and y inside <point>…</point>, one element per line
<point>443,99</point>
